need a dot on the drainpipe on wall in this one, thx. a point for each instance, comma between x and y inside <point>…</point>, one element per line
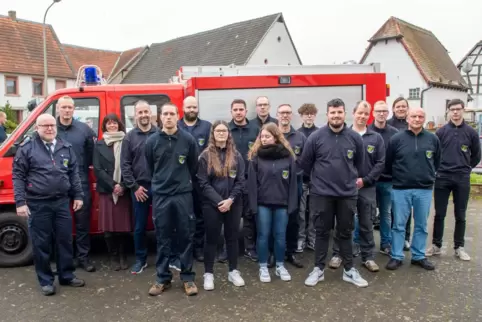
<point>422,93</point>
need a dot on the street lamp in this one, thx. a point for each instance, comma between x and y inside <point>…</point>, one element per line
<point>45,87</point>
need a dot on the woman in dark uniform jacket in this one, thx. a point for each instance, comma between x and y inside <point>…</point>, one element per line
<point>114,201</point>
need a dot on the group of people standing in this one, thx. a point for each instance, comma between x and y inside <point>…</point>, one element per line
<point>287,188</point>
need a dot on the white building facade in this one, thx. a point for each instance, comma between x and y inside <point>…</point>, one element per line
<point>18,90</point>
<point>409,72</point>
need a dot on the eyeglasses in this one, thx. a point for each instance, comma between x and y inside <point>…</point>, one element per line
<point>221,131</point>
<point>46,126</point>
<point>285,113</point>
<point>455,109</point>
<point>381,111</point>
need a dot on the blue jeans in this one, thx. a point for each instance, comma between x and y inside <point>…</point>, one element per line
<point>356,230</point>
<point>403,201</point>
<point>384,197</point>
<point>270,220</point>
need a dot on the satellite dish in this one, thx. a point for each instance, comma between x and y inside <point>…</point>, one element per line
<point>467,67</point>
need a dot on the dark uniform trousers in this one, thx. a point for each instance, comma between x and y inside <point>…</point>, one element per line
<point>199,233</point>
<point>366,206</point>
<point>49,218</point>
<point>249,226</point>
<point>214,219</point>
<point>174,212</point>
<point>325,209</point>
<point>459,186</point>
<point>82,225</point>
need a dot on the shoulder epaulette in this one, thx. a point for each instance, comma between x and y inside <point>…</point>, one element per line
<point>26,140</point>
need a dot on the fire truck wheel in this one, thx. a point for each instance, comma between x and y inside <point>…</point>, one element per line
<point>15,244</point>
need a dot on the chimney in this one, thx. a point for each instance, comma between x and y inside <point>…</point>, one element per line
<point>13,15</point>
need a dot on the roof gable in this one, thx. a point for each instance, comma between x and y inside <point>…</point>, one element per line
<point>21,50</point>
<point>427,53</point>
<point>231,44</point>
<point>79,56</point>
<point>126,58</point>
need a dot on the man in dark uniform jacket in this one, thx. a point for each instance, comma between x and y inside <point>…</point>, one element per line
<point>82,137</point>
<point>297,140</point>
<point>460,145</point>
<point>200,131</point>
<point>45,179</point>
<point>399,121</point>
<point>262,112</point>
<point>244,134</point>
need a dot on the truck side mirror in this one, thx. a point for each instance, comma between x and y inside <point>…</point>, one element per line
<point>11,151</point>
<point>32,104</point>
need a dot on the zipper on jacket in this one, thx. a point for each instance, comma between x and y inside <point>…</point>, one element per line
<point>169,141</point>
<point>416,143</point>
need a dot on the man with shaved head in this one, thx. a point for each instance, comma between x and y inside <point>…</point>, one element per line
<point>413,158</point>
<point>82,137</point>
<point>45,179</point>
<point>200,130</point>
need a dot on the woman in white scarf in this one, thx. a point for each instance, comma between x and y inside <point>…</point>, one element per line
<point>114,202</point>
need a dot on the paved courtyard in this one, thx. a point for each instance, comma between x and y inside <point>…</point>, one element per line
<point>452,292</point>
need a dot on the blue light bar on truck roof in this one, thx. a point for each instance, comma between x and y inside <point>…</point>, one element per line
<point>91,77</point>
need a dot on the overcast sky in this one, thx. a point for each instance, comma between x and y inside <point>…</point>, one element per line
<point>324,32</point>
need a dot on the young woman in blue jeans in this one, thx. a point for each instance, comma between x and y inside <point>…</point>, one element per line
<point>273,194</point>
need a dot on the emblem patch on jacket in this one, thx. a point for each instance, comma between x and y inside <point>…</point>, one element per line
<point>370,148</point>
<point>464,148</point>
<point>349,154</point>
<point>250,144</point>
<point>232,173</point>
<point>285,174</point>
<point>201,141</point>
<point>182,159</point>
<point>429,154</point>
<point>65,162</point>
<point>297,150</point>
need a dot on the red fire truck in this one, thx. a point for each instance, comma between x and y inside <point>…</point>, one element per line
<point>214,86</point>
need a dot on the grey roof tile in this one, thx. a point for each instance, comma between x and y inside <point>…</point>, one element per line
<point>231,44</point>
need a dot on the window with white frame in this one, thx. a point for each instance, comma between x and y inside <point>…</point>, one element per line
<point>414,93</point>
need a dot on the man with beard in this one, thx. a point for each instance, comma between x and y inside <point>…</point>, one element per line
<point>399,121</point>
<point>81,136</point>
<point>460,153</point>
<point>172,159</point>
<point>244,135</point>
<point>333,156</point>
<point>262,112</point>
<point>200,130</point>
<point>384,184</point>
<point>297,141</point>
<point>138,179</point>
<point>413,158</point>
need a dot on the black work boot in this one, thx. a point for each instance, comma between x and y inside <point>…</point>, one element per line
<point>112,248</point>
<point>122,252</point>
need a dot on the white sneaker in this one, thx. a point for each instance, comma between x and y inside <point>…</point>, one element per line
<point>208,281</point>
<point>283,273</point>
<point>317,275</point>
<point>235,278</point>
<point>462,254</point>
<point>264,275</point>
<point>433,250</point>
<point>354,277</point>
